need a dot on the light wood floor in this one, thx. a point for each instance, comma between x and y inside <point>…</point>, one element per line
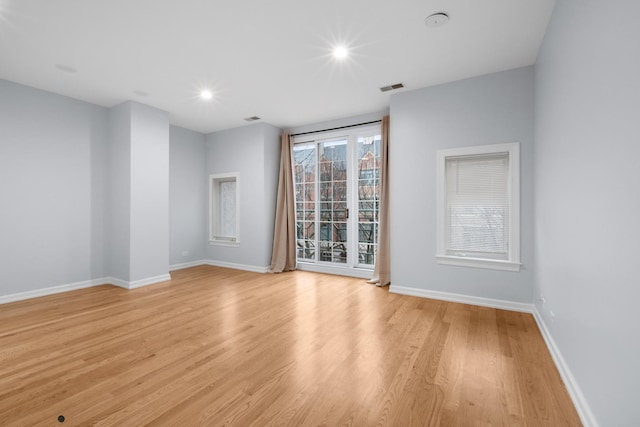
<point>223,347</point>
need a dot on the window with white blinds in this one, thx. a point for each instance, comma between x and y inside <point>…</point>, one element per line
<point>478,206</point>
<point>227,211</point>
<point>224,218</point>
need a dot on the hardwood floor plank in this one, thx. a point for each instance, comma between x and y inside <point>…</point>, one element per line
<point>215,346</point>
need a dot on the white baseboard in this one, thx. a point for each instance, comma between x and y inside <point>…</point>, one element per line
<point>464,299</point>
<point>187,265</point>
<point>116,282</point>
<point>5,299</point>
<point>136,283</point>
<point>579,401</point>
<point>149,281</point>
<point>253,268</point>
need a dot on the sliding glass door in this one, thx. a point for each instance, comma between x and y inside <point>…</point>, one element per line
<point>337,190</point>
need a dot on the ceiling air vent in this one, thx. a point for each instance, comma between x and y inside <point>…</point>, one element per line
<point>391,87</point>
<point>252,118</point>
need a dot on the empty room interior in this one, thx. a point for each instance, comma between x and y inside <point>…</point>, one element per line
<point>326,213</point>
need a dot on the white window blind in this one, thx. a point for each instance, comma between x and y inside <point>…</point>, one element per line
<point>224,225</point>
<point>227,209</point>
<point>477,206</point>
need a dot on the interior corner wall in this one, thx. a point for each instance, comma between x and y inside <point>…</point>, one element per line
<point>491,109</point>
<point>53,181</point>
<point>187,196</point>
<point>587,188</point>
<point>243,150</point>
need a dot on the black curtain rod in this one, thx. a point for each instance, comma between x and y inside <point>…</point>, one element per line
<point>338,128</point>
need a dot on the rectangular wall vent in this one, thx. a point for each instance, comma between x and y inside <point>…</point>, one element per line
<point>252,118</point>
<point>391,87</point>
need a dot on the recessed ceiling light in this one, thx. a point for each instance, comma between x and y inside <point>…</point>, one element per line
<point>252,118</point>
<point>206,94</point>
<point>141,93</point>
<point>340,52</point>
<point>436,20</point>
<point>66,68</point>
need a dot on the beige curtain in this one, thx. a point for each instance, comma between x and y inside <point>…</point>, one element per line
<point>382,269</point>
<point>283,257</point>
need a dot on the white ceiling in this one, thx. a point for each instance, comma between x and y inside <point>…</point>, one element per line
<point>266,58</point>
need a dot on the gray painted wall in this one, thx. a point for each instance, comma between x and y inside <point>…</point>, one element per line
<point>588,198</point>
<point>52,186</point>
<point>149,192</point>
<point>119,206</point>
<point>188,205</point>
<point>243,150</point>
<point>86,190</point>
<point>491,109</point>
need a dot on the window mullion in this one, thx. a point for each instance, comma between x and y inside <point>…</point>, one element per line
<point>317,202</point>
<point>353,213</point>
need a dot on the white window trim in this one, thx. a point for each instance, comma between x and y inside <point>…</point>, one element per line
<point>513,261</point>
<point>212,208</point>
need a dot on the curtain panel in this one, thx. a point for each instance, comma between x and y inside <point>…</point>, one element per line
<point>283,256</point>
<point>382,269</point>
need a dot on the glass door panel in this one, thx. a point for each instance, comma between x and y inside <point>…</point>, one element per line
<point>304,159</point>
<point>368,176</point>
<point>332,163</point>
